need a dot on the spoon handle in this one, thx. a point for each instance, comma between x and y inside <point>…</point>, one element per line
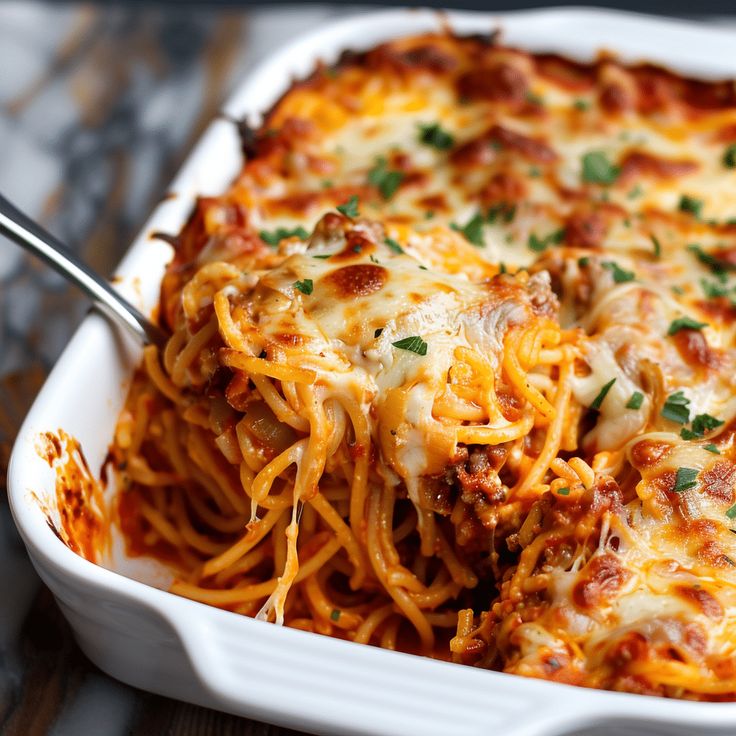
<point>31,236</point>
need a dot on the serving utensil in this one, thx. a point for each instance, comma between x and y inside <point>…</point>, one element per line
<point>36,240</point>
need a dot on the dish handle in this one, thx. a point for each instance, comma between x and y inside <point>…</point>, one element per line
<point>322,685</point>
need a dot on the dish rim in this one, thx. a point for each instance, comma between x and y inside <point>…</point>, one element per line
<point>55,560</point>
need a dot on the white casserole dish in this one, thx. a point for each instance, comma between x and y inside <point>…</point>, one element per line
<point>176,647</point>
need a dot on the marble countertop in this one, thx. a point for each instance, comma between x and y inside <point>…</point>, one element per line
<point>98,108</point>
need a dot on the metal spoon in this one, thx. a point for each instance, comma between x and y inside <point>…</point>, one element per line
<point>31,236</point>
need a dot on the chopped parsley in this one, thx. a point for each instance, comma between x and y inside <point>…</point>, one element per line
<point>691,205</point>
<point>712,448</point>
<point>584,261</point>
<point>472,231</point>
<point>676,408</point>
<point>656,245</point>
<point>349,208</point>
<point>373,258</point>
<point>432,134</point>
<point>637,191</point>
<point>385,180</point>
<point>715,264</point>
<point>306,286</point>
<point>685,479</point>
<point>506,211</point>
<point>685,323</point>
<point>538,244</point>
<point>393,245</point>
<point>729,157</point>
<point>563,491</point>
<point>335,614</point>
<point>620,275</point>
<point>535,172</point>
<point>274,237</point>
<point>636,400</point>
<point>323,257</point>
<point>597,169</point>
<point>413,344</point>
<point>581,104</point>
<point>713,290</point>
<point>598,400</point>
<point>705,423</point>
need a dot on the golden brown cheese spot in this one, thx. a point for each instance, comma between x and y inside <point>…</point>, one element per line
<point>718,481</point>
<point>533,149</point>
<point>291,340</point>
<point>647,453</point>
<point>499,83</point>
<point>694,349</point>
<point>639,163</point>
<point>356,243</point>
<point>503,187</point>
<point>362,279</point>
<point>702,600</point>
<point>585,230</point>
<point>566,73</point>
<point>603,577</point>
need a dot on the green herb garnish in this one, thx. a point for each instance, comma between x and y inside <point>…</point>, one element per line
<point>620,275</point>
<point>538,244</point>
<point>393,245</point>
<point>705,423</point>
<point>676,408</point>
<point>563,491</point>
<point>685,323</point>
<point>274,237</point>
<point>597,169</point>
<point>598,400</point>
<point>729,157</point>
<point>713,290</point>
<point>712,448</point>
<point>715,264</point>
<point>691,205</point>
<point>685,479</point>
<point>656,245</point>
<point>636,400</point>
<point>472,231</point>
<point>335,614</point>
<point>432,134</point>
<point>306,286</point>
<point>386,181</point>
<point>581,105</point>
<point>413,344</point>
<point>349,208</point>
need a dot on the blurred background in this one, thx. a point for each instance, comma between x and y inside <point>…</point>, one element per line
<point>99,105</point>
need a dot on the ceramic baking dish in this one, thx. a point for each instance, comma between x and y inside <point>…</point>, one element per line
<point>176,647</point>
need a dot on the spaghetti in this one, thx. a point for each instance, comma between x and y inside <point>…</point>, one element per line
<point>484,411</point>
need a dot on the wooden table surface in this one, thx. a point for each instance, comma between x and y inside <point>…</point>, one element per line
<point>100,109</point>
